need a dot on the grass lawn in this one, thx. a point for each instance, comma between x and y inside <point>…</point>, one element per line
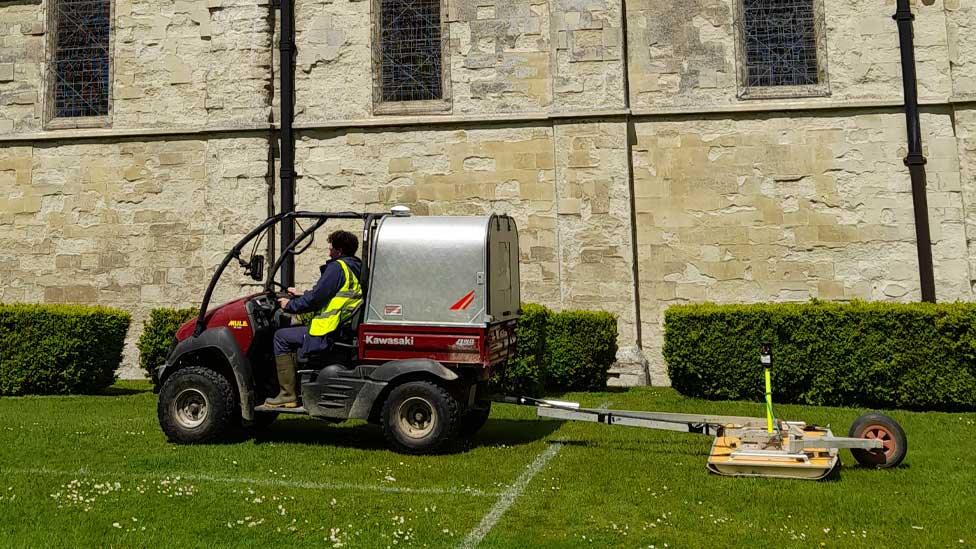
<point>97,471</point>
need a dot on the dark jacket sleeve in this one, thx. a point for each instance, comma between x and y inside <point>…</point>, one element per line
<point>329,284</point>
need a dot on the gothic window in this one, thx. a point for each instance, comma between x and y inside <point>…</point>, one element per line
<point>80,60</point>
<point>410,55</point>
<point>782,48</point>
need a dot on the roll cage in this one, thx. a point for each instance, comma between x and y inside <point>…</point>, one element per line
<point>254,264</point>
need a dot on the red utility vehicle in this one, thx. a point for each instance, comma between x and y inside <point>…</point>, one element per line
<point>441,297</point>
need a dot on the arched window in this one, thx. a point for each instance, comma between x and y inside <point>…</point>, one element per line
<point>80,61</point>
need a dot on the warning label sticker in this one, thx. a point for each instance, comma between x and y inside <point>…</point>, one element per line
<point>393,310</point>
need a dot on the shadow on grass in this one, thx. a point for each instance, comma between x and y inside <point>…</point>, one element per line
<point>644,446</point>
<point>115,390</point>
<point>364,436</point>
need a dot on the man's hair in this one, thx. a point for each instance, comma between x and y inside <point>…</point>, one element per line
<point>345,242</point>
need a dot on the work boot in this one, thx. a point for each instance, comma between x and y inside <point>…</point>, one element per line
<point>286,366</point>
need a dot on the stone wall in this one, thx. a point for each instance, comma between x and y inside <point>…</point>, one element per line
<point>175,63</point>
<point>134,225</point>
<point>565,185</point>
<point>788,208</point>
<point>683,53</point>
<point>965,125</point>
<point>21,66</point>
<point>806,197</point>
<point>200,62</point>
<point>961,35</point>
<point>504,56</point>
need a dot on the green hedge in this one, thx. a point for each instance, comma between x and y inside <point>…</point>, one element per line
<point>580,347</point>
<point>524,374</point>
<point>59,349</point>
<point>157,335</point>
<point>883,355</point>
<point>564,351</point>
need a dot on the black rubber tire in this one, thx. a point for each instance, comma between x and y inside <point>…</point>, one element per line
<point>444,413</point>
<point>473,420</point>
<point>222,411</point>
<point>893,434</point>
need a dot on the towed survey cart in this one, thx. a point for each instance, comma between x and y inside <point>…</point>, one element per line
<point>753,446</point>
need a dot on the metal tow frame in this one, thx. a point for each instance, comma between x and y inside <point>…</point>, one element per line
<point>743,445</point>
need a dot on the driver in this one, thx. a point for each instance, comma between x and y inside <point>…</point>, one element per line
<point>335,297</point>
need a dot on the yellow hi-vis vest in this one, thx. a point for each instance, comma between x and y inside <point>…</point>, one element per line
<point>340,307</point>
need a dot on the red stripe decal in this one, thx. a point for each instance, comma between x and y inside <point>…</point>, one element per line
<point>463,303</point>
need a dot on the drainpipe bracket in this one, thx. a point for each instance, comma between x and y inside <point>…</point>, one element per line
<point>903,15</point>
<point>915,159</point>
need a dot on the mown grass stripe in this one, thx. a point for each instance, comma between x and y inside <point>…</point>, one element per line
<point>509,496</point>
<point>277,483</point>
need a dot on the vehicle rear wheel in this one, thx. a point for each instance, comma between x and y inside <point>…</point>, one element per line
<point>474,419</point>
<point>875,425</point>
<point>420,417</point>
<point>197,404</point>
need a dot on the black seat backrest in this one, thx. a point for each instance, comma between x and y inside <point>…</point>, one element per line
<point>348,331</point>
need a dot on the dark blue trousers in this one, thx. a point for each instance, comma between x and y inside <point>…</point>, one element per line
<point>289,340</point>
<point>297,340</point>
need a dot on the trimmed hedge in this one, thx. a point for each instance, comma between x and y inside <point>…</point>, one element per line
<point>524,374</point>
<point>59,349</point>
<point>564,351</point>
<point>580,347</point>
<point>880,355</point>
<point>157,335</point>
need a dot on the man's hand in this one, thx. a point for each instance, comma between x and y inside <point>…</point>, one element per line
<point>295,292</point>
<point>283,302</point>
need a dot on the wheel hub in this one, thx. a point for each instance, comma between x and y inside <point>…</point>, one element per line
<point>879,432</point>
<point>191,407</point>
<point>416,417</point>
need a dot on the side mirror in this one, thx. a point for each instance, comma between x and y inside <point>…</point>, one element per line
<point>256,268</point>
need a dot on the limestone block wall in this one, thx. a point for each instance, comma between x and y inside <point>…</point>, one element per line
<point>683,53</point>
<point>333,68</point>
<point>565,185</point>
<point>588,55</point>
<point>504,56</point>
<point>593,223</point>
<point>500,56</point>
<point>131,224</point>
<point>965,124</point>
<point>201,63</point>
<point>21,66</point>
<point>787,208</point>
<point>175,63</point>
<point>961,35</point>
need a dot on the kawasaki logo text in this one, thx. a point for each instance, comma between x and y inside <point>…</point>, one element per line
<point>374,340</point>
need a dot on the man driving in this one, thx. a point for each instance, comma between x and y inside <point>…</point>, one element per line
<point>335,297</point>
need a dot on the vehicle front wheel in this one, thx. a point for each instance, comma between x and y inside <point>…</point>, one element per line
<point>420,417</point>
<point>197,404</point>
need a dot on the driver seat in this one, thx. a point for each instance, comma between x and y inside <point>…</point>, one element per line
<point>343,344</point>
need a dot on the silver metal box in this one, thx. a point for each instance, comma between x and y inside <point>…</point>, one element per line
<point>441,270</point>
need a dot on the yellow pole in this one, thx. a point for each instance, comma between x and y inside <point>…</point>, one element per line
<point>769,403</point>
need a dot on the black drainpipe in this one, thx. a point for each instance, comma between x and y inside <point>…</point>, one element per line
<point>915,160</point>
<point>272,138</point>
<point>286,45</point>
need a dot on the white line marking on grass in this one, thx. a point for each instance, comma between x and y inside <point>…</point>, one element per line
<point>277,483</point>
<point>508,497</point>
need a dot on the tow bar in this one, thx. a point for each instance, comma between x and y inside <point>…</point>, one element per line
<point>752,446</point>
